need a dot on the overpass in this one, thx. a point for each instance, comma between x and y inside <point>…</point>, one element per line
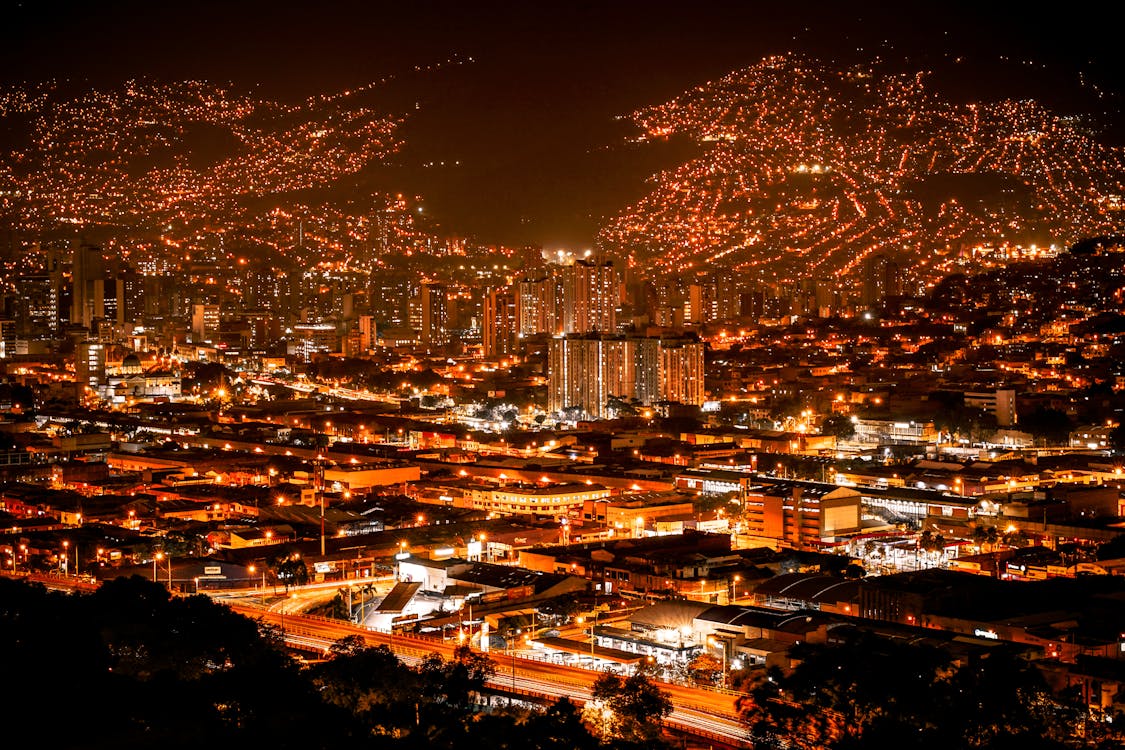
<point>706,714</point>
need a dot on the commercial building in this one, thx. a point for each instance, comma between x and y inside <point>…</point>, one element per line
<point>999,403</point>
<point>205,322</point>
<point>311,339</point>
<point>556,500</point>
<point>803,515</point>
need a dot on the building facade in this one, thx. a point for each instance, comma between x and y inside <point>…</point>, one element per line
<point>598,374</point>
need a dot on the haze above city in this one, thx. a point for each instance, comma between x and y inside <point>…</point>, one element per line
<point>517,127</point>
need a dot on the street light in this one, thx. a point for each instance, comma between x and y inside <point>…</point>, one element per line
<point>155,559</point>
<point>252,569</point>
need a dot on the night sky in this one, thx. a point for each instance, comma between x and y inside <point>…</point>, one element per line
<point>532,117</point>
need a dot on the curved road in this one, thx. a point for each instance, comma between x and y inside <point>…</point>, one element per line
<point>705,713</point>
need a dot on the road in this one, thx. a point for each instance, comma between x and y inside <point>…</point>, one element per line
<point>707,714</point>
<point>699,712</point>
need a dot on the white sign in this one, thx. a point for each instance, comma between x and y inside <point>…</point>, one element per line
<point>212,570</point>
<point>989,634</point>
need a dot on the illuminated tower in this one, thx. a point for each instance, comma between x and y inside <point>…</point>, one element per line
<point>435,314</point>
<point>591,292</point>
<point>882,278</point>
<point>681,371</point>
<point>586,371</point>
<point>498,323</point>
<point>88,296</point>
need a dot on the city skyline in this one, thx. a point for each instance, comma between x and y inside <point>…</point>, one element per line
<point>596,376</point>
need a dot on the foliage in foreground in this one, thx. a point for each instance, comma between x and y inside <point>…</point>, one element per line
<point>877,692</point>
<point>129,666</point>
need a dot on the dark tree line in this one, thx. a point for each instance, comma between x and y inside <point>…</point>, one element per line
<point>129,666</point>
<point>878,692</point>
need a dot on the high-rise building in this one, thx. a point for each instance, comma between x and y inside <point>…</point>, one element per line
<point>367,332</point>
<point>589,372</point>
<point>498,324</point>
<point>882,278</point>
<point>681,371</point>
<point>205,321</point>
<point>591,294</point>
<point>310,339</point>
<point>89,277</point>
<point>581,297</point>
<point>38,309</point>
<point>89,365</point>
<point>710,300</point>
<point>132,296</point>
<point>261,327</point>
<point>433,304</point>
<point>537,300</point>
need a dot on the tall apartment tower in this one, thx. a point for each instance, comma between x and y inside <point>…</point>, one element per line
<point>882,277</point>
<point>498,323</point>
<point>681,371</point>
<point>89,278</point>
<point>586,371</point>
<point>538,300</point>
<point>434,314</point>
<point>205,322</point>
<point>591,291</point>
<point>578,298</point>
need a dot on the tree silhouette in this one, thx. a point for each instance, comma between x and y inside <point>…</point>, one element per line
<point>1048,426</point>
<point>869,691</point>
<point>630,708</point>
<point>839,426</point>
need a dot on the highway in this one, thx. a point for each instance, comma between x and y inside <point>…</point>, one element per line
<point>705,713</point>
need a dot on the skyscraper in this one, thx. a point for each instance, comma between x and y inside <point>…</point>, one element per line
<point>588,371</point>
<point>498,323</point>
<point>580,297</point>
<point>882,278</point>
<point>435,314</point>
<point>591,291</point>
<point>88,297</point>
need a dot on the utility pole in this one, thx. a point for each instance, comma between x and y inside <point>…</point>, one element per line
<point>319,484</point>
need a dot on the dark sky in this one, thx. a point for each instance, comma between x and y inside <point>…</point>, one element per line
<point>532,118</point>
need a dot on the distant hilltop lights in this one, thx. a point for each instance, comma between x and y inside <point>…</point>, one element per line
<point>807,171</point>
<point>565,257</point>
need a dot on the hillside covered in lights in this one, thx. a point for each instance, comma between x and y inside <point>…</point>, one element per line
<point>167,168</point>
<point>807,170</point>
